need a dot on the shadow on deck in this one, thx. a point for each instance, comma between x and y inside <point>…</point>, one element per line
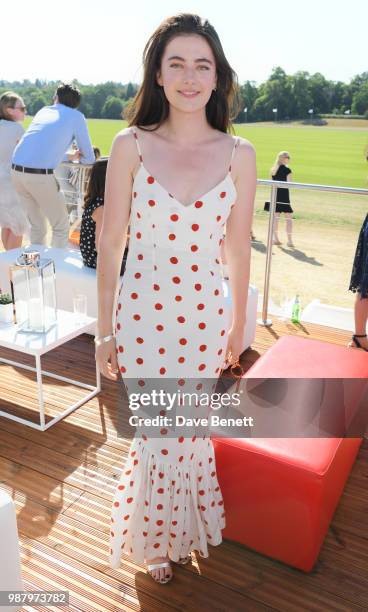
<point>62,482</point>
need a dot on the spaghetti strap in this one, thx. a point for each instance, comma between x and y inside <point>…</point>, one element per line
<point>138,145</point>
<point>236,143</point>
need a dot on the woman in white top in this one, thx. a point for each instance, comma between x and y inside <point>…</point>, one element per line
<point>13,220</point>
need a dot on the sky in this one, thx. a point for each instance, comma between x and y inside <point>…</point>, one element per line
<point>97,41</point>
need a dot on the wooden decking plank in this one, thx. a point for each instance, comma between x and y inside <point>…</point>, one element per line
<point>280,586</point>
<point>18,480</point>
<point>74,442</point>
<point>86,584</point>
<point>95,511</point>
<point>61,467</point>
<point>98,415</point>
<point>106,511</point>
<point>96,419</point>
<point>102,461</point>
<point>89,546</point>
<point>50,570</point>
<point>81,543</point>
<point>29,586</point>
<point>346,549</point>
<point>69,523</point>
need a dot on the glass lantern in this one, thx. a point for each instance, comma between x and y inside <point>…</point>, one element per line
<point>32,281</point>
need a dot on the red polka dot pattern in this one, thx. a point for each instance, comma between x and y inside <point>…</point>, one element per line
<point>171,323</point>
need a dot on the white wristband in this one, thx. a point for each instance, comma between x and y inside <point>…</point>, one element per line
<point>99,341</point>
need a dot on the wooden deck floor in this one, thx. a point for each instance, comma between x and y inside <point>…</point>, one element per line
<point>63,480</point>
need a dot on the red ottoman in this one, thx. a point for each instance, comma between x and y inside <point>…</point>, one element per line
<point>280,493</point>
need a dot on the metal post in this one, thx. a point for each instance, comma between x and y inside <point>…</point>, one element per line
<point>80,191</point>
<point>264,320</point>
<point>98,379</point>
<point>40,392</point>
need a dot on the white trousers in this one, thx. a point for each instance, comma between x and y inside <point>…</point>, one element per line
<point>42,200</point>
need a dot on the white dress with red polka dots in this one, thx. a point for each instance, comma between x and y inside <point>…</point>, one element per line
<point>171,322</point>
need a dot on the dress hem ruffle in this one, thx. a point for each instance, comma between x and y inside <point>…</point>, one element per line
<point>164,508</point>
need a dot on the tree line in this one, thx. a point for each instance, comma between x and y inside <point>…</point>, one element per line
<point>280,97</point>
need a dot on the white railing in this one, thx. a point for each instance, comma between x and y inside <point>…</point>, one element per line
<point>289,185</point>
<point>73,179</point>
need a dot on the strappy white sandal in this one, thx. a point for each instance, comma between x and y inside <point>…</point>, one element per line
<point>154,566</point>
<point>184,560</point>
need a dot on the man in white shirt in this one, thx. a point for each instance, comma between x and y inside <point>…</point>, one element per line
<point>36,156</point>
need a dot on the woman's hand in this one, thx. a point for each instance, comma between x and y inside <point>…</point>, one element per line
<point>106,359</point>
<point>234,345</point>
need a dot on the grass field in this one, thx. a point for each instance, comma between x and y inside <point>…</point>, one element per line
<point>326,225</point>
<point>319,155</point>
<point>324,155</point>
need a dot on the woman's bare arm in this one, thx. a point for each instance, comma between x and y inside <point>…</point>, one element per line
<point>238,228</point>
<point>120,169</point>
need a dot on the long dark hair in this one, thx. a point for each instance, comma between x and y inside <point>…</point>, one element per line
<point>96,181</point>
<point>150,105</point>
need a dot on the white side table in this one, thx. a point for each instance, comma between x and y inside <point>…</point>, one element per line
<point>37,344</point>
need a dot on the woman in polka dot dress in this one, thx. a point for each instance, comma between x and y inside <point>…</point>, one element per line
<point>177,177</point>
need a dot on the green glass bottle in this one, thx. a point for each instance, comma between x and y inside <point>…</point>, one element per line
<point>295,314</point>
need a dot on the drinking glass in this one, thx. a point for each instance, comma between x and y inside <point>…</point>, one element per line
<point>80,308</point>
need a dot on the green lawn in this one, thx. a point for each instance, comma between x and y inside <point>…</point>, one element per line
<point>329,156</point>
<point>326,225</point>
<point>319,155</point>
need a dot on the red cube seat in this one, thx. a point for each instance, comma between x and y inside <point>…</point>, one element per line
<point>280,494</point>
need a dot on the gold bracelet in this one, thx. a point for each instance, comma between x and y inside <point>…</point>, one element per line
<point>102,339</point>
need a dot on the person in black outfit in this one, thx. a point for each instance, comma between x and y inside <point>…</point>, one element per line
<point>92,217</point>
<point>280,171</point>
<point>359,285</point>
